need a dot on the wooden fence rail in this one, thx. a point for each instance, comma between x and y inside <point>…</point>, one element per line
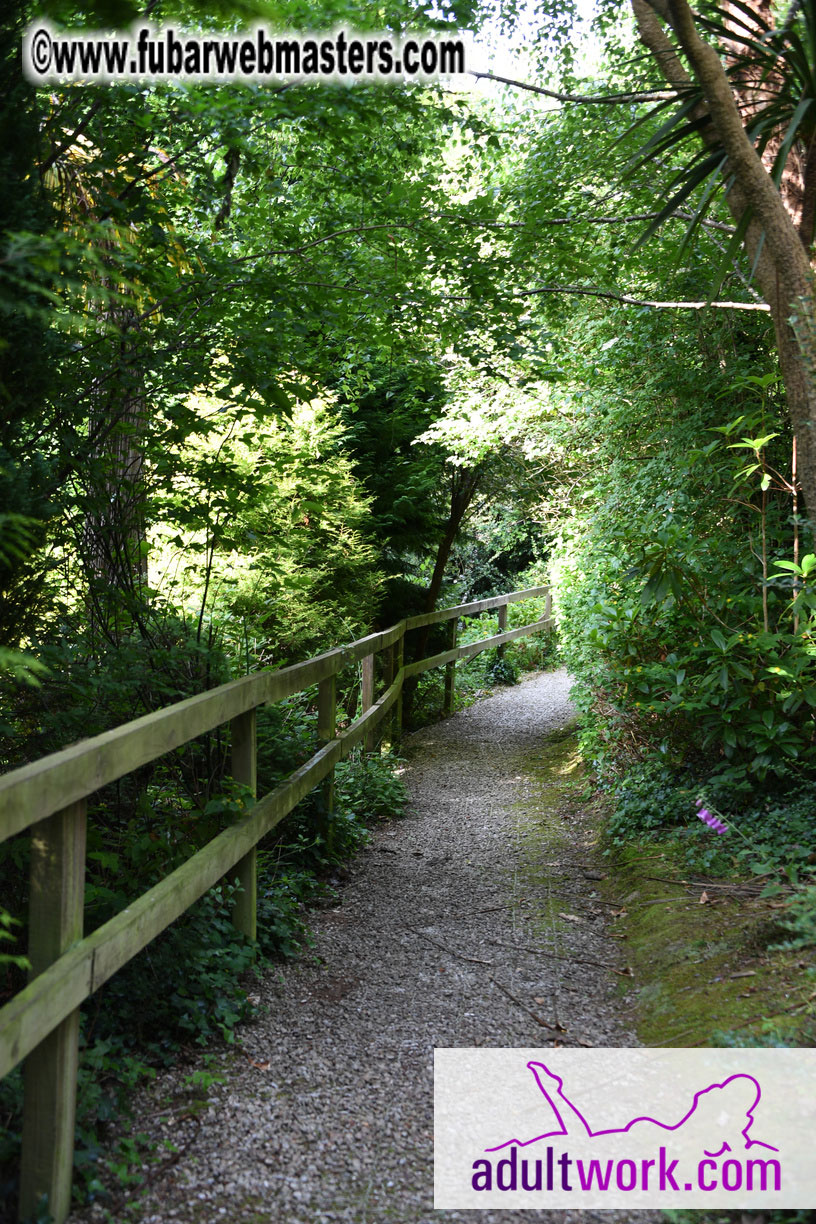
<point>49,796</point>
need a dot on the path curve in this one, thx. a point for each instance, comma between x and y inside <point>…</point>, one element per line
<point>326,1115</point>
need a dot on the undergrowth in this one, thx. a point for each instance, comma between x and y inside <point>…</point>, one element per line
<point>190,987</point>
<point>492,668</point>
<point>768,840</point>
<point>780,1216</point>
<point>770,835</point>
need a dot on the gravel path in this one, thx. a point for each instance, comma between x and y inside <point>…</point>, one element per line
<point>326,1113</point>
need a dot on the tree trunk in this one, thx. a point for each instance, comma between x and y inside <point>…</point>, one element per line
<point>464,484</point>
<point>114,552</point>
<point>463,489</point>
<point>783,269</point>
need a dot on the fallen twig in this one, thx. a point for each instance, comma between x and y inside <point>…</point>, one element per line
<point>609,904</point>
<point>474,960</point>
<point>749,886</point>
<point>555,1028</point>
<point>578,960</point>
<point>663,900</point>
<point>692,1028</point>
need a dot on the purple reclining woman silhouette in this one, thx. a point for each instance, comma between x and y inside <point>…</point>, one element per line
<point>714,1117</point>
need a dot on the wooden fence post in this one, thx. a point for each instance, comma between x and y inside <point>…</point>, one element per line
<point>368,697</point>
<point>548,609</point>
<point>326,731</point>
<point>56,914</point>
<point>245,769</point>
<point>502,627</point>
<point>450,670</point>
<point>389,672</point>
<point>398,656</point>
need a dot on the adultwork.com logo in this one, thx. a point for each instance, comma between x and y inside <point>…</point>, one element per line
<point>638,1128</point>
<point>709,1125</point>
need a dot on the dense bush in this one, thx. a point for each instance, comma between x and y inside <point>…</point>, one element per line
<point>295,571</point>
<point>769,834</point>
<point>688,626</point>
<point>90,685</point>
<point>684,579</point>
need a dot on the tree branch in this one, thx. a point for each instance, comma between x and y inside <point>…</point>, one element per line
<point>648,216</point>
<point>58,150</point>
<point>341,233</point>
<point>633,301</point>
<point>647,95</point>
<point>781,263</point>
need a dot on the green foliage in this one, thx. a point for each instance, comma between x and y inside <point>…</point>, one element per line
<point>11,1104</point>
<point>777,832</point>
<point>283,892</point>
<point>385,414</point>
<point>649,798</point>
<point>772,1216</point>
<point>688,628</point>
<point>537,653</point>
<point>7,922</point>
<point>371,786</point>
<point>429,695</point>
<point>781,124</point>
<point>502,670</point>
<point>748,693</point>
<point>86,687</point>
<point>770,1037</point>
<point>186,988</point>
<point>183,987</point>
<point>287,736</point>
<point>770,834</point>
<point>799,919</point>
<point>498,547</point>
<point>310,846</point>
<point>275,544</point>
<point>30,352</point>
<point>540,650</point>
<point>368,789</point>
<point>21,667</point>
<point>685,640</point>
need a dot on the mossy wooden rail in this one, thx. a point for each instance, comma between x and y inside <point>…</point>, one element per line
<point>41,1023</point>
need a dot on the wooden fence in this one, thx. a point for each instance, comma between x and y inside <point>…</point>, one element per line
<point>41,1023</point>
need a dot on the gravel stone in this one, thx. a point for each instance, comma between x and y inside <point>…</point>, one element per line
<point>326,1112</point>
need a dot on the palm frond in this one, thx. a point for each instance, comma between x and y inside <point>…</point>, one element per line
<point>775,70</point>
